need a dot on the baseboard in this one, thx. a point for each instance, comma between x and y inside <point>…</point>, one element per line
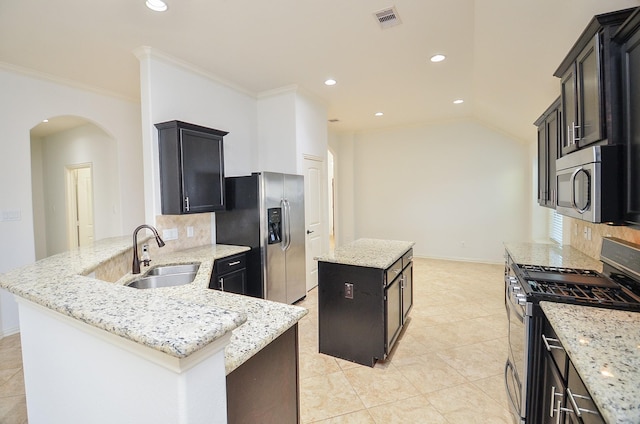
<point>9,332</point>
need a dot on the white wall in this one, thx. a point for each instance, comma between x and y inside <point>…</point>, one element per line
<point>25,101</point>
<point>173,90</point>
<point>86,144</point>
<point>277,131</point>
<point>342,145</point>
<point>311,129</point>
<point>459,189</point>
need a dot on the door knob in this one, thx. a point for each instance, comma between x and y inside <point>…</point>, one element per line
<point>309,232</point>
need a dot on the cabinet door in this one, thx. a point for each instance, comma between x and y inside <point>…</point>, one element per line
<point>631,107</point>
<point>552,408</point>
<point>543,165</point>
<point>569,111</point>
<point>549,135</point>
<point>393,315</point>
<point>553,145</point>
<point>233,282</point>
<point>589,94</point>
<point>202,182</point>
<point>407,290</point>
<point>579,399</point>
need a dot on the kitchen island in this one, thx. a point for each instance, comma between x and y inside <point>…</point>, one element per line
<point>365,292</point>
<point>160,355</point>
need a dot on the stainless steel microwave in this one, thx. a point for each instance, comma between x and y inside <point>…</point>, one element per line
<point>589,184</point>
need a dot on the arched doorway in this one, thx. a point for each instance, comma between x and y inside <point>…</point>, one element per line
<point>73,164</point>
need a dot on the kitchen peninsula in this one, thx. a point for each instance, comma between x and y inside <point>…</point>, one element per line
<point>160,355</point>
<point>365,292</point>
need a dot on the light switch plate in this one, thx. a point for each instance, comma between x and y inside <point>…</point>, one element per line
<point>189,231</point>
<point>11,215</point>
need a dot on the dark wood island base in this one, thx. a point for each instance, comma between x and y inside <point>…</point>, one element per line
<point>365,292</point>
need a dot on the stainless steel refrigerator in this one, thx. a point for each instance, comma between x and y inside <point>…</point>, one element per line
<point>265,211</point>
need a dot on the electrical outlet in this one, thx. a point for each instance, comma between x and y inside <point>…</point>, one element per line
<point>170,234</point>
<point>189,231</point>
<point>348,290</point>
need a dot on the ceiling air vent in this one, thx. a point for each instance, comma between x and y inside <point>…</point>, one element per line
<point>388,17</point>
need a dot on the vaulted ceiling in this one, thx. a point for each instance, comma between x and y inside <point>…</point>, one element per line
<point>501,54</point>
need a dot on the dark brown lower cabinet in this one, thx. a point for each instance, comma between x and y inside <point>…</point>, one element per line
<point>265,389</point>
<point>564,397</point>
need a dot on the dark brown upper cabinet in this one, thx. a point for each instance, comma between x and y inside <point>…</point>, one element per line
<point>590,86</point>
<point>548,147</point>
<point>629,37</point>
<point>191,168</point>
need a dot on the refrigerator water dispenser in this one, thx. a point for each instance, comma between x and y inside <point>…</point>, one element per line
<point>274,227</point>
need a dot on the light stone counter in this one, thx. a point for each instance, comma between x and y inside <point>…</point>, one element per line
<point>604,346</point>
<point>551,255</point>
<point>175,320</point>
<point>370,253</point>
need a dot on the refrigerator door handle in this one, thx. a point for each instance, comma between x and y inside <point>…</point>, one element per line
<point>286,224</point>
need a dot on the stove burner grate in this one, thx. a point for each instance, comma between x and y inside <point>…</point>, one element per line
<point>558,270</point>
<point>582,292</point>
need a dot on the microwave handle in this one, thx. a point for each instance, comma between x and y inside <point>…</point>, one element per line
<point>572,183</point>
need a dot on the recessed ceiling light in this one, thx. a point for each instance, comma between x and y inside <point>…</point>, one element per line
<point>45,120</point>
<point>156,5</point>
<point>458,101</point>
<point>379,113</point>
<point>438,58</point>
<point>330,82</point>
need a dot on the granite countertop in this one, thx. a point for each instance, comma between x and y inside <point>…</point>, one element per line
<point>551,255</point>
<point>370,253</point>
<point>176,320</point>
<point>604,346</point>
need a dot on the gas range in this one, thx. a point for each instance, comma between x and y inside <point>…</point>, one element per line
<point>574,285</point>
<point>526,285</point>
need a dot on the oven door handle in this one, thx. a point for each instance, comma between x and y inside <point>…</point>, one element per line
<point>508,364</point>
<point>514,306</point>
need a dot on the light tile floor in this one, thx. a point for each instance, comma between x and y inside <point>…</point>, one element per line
<point>446,367</point>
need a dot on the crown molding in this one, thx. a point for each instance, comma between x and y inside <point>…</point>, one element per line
<point>64,81</point>
<point>146,52</point>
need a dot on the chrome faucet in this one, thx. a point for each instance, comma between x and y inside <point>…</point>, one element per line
<point>135,269</point>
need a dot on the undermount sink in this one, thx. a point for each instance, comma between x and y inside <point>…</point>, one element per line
<point>166,276</point>
<point>173,269</point>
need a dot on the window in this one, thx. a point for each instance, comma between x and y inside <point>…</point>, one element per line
<point>555,226</point>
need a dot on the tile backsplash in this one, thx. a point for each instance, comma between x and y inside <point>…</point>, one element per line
<point>199,222</point>
<point>597,231</point>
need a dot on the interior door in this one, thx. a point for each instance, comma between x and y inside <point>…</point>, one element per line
<point>85,206</point>
<point>315,202</point>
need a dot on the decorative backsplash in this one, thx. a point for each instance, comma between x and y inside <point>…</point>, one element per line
<point>115,267</point>
<point>200,222</point>
<point>598,231</point>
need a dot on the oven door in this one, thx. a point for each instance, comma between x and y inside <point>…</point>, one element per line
<point>578,191</point>
<point>515,372</point>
